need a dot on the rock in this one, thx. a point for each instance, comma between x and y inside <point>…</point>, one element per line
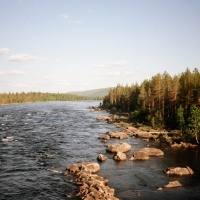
<point>179,171</point>
<point>192,145</point>
<point>91,185</point>
<point>130,129</point>
<point>175,145</point>
<point>103,117</point>
<point>153,151</point>
<point>144,135</point>
<point>140,155</point>
<point>159,189</point>
<point>143,154</point>
<point>131,159</point>
<point>119,147</point>
<point>119,156</point>
<point>173,184</point>
<point>92,167</point>
<point>104,137</point>
<point>101,157</point>
<point>118,135</point>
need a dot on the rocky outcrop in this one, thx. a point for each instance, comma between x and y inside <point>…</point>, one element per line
<point>119,156</point>
<point>117,135</point>
<point>179,171</point>
<point>101,157</point>
<point>173,184</point>
<point>119,147</point>
<point>91,185</point>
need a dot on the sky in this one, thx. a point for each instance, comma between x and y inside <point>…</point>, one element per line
<point>76,45</point>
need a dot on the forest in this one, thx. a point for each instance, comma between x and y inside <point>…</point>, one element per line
<point>163,102</point>
<point>8,98</point>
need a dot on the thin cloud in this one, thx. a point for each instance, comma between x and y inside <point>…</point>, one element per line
<point>65,16</point>
<point>12,72</point>
<point>69,20</point>
<point>119,63</point>
<point>22,85</point>
<point>124,73</point>
<point>62,83</point>
<point>4,51</point>
<point>24,57</point>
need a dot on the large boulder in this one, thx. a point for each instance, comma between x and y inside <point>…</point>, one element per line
<point>119,147</point>
<point>152,151</point>
<point>179,171</point>
<point>143,154</point>
<point>119,156</point>
<point>101,157</point>
<point>173,184</point>
<point>117,135</point>
<point>92,167</point>
<point>140,155</point>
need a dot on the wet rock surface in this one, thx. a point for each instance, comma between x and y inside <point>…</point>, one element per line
<point>119,147</point>
<point>101,157</point>
<point>144,153</point>
<point>117,135</point>
<point>119,156</point>
<point>179,171</point>
<point>92,186</point>
<point>173,184</point>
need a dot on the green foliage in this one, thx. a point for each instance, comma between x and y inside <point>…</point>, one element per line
<point>7,98</point>
<point>180,118</point>
<point>163,101</point>
<point>193,127</point>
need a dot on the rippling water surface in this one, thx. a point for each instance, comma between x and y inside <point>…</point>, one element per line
<point>45,138</point>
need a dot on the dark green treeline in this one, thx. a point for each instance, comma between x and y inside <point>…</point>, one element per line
<point>163,101</point>
<point>8,98</point>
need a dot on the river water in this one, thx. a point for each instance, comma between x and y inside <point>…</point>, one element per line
<point>48,137</point>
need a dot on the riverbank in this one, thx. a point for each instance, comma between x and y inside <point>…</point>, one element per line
<point>173,137</point>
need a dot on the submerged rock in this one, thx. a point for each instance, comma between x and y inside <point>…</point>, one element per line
<point>173,184</point>
<point>179,171</point>
<point>119,147</point>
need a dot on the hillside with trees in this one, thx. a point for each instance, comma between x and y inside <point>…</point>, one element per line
<point>163,102</point>
<point>8,98</point>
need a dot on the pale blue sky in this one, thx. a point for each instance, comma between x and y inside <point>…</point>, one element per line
<point>68,45</point>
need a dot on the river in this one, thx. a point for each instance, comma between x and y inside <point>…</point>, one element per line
<point>47,137</point>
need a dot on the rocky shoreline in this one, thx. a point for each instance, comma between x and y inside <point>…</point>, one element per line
<point>93,187</point>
